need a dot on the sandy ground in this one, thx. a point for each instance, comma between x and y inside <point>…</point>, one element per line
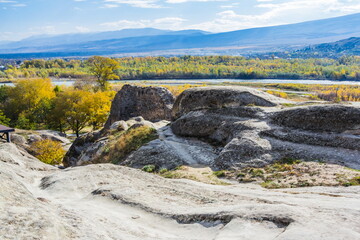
<point>113,202</point>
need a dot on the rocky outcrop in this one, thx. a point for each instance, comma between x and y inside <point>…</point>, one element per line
<point>332,118</point>
<point>222,97</point>
<point>106,201</point>
<point>84,149</point>
<point>152,103</point>
<point>255,136</point>
<point>89,147</point>
<point>170,151</point>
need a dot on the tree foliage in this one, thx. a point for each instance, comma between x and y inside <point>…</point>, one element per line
<point>191,67</point>
<point>103,69</point>
<point>48,151</point>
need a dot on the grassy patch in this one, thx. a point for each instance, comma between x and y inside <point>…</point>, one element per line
<point>292,173</point>
<point>205,175</point>
<point>122,144</point>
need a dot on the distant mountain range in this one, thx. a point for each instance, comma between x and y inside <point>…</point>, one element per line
<point>151,41</point>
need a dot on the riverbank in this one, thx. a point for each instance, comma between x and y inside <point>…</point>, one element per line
<point>70,82</point>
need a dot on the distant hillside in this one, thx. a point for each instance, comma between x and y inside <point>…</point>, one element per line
<point>244,41</point>
<point>350,46</point>
<point>345,47</point>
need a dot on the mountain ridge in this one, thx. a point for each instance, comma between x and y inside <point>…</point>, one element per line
<point>293,36</point>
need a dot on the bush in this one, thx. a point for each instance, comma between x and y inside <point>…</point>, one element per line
<point>48,151</point>
<point>149,168</point>
<point>3,119</point>
<point>220,173</point>
<point>130,141</point>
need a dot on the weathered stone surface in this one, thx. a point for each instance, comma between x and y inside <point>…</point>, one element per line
<point>106,201</point>
<point>170,151</point>
<point>83,148</point>
<point>249,150</point>
<point>34,138</point>
<point>152,103</point>
<point>119,126</point>
<point>331,118</point>
<point>257,136</point>
<point>54,136</point>
<point>91,146</point>
<point>222,97</point>
<point>18,139</point>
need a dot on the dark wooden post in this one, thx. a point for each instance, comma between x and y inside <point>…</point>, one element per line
<point>5,133</point>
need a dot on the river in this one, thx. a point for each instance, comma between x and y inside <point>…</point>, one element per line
<point>211,81</point>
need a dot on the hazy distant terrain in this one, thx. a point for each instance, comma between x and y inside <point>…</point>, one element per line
<point>292,36</point>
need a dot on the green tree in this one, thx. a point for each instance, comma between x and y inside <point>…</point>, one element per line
<point>103,69</point>
<point>3,119</point>
<point>71,107</point>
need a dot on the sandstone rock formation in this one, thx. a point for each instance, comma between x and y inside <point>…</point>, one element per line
<point>170,151</point>
<point>106,201</point>
<point>132,107</point>
<point>152,103</point>
<point>222,97</point>
<point>263,132</point>
<point>90,146</point>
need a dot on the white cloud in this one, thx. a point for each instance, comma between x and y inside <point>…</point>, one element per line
<point>280,13</point>
<point>184,1</point>
<point>155,3</point>
<point>19,5</point>
<point>82,29</point>
<point>137,3</point>
<point>110,6</point>
<point>173,23</point>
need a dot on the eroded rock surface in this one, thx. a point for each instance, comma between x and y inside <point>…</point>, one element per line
<point>263,132</point>
<point>170,151</point>
<point>106,201</point>
<point>222,97</point>
<point>87,148</point>
<point>152,103</point>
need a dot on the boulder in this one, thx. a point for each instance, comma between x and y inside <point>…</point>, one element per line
<point>83,149</point>
<point>119,126</point>
<point>249,150</point>
<point>330,118</point>
<point>34,138</point>
<point>195,99</point>
<point>18,139</point>
<point>54,136</point>
<point>152,103</point>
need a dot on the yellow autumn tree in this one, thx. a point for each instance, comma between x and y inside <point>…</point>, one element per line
<point>29,98</point>
<point>98,107</point>
<point>103,69</point>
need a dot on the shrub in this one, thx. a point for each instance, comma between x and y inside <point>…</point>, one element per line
<point>149,168</point>
<point>48,151</point>
<point>220,173</point>
<point>130,141</point>
<point>3,119</point>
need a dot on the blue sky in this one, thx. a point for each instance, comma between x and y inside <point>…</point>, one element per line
<point>24,18</point>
